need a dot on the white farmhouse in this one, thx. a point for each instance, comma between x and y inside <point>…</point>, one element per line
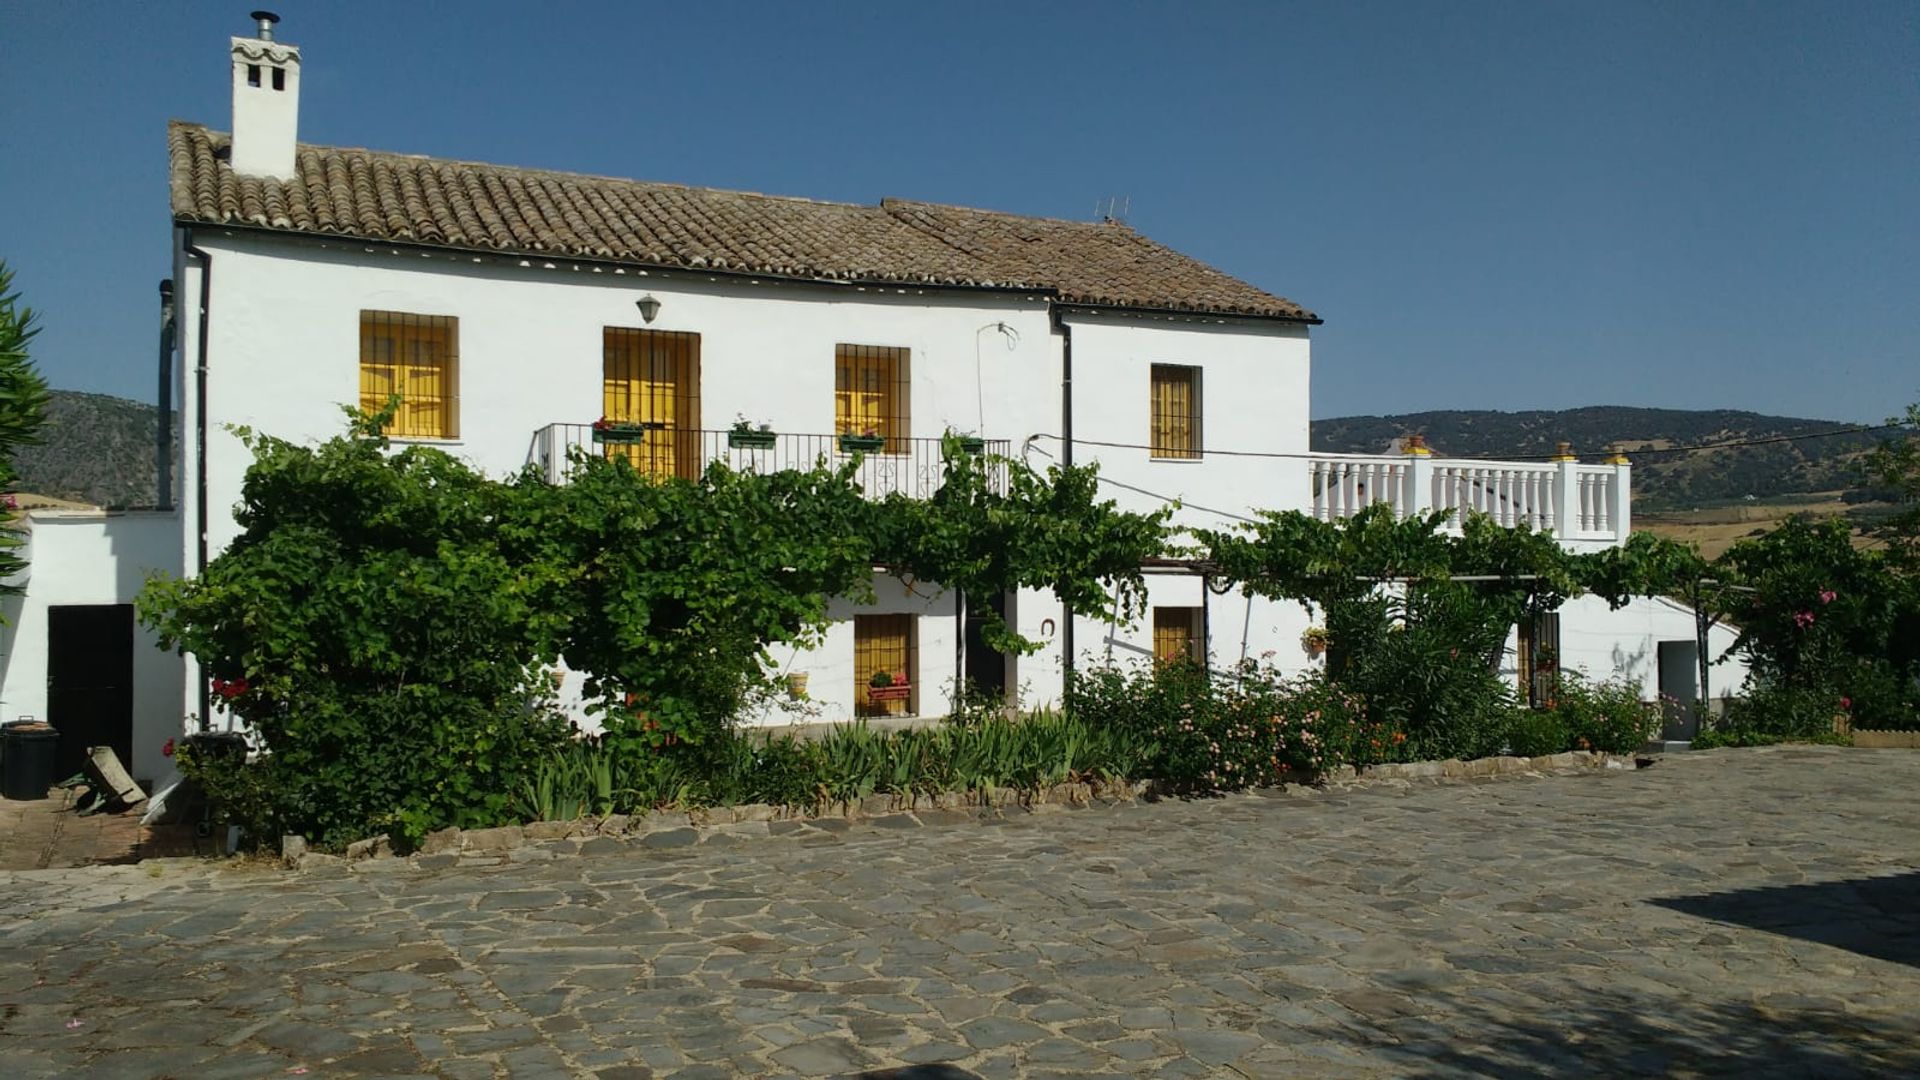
<point>511,308</point>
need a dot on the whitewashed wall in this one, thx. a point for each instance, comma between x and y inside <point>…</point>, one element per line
<point>1254,390</point>
<point>1602,644</point>
<point>82,557</point>
<point>284,356</point>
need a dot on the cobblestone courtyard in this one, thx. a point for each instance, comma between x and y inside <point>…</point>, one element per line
<point>1737,912</point>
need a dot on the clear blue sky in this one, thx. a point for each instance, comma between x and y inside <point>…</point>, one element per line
<point>1492,205</point>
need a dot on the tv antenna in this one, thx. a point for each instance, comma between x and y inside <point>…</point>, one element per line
<point>1113,209</point>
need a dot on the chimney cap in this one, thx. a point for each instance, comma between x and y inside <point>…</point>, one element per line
<point>266,19</point>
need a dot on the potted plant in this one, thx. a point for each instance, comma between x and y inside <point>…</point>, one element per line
<point>1314,639</point>
<point>968,444</point>
<point>744,436</point>
<point>888,686</point>
<point>868,440</point>
<point>797,685</point>
<point>623,431</point>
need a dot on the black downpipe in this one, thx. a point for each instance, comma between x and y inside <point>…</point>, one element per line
<point>163,435</point>
<point>200,436</point>
<point>1066,459</point>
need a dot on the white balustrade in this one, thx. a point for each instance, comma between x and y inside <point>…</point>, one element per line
<point>1571,500</point>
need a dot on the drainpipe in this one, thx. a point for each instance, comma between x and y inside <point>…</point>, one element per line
<point>200,436</point>
<point>163,434</point>
<point>1065,330</point>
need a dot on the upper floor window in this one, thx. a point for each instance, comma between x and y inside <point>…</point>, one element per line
<point>417,358</point>
<point>651,378</point>
<point>1175,431</point>
<point>871,396</point>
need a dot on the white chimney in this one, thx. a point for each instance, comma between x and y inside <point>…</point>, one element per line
<point>266,102</point>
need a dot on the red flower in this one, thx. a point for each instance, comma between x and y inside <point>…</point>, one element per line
<point>1846,703</point>
<point>166,750</point>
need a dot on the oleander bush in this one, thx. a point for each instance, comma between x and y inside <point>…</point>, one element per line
<point>1606,716</point>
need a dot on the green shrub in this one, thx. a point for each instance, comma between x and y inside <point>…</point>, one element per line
<point>373,632</point>
<point>1775,713</point>
<point>1538,733</point>
<point>1229,730</point>
<point>1605,716</point>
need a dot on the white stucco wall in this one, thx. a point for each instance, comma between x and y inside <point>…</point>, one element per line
<point>1254,389</point>
<point>79,557</point>
<point>284,356</point>
<point>1603,643</point>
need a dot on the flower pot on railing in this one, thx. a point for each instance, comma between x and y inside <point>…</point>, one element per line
<point>748,439</point>
<point>972,444</point>
<point>861,443</point>
<point>623,431</point>
<point>893,692</point>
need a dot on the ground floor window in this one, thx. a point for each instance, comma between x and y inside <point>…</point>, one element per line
<point>1177,634</point>
<point>885,657</point>
<point>1540,659</point>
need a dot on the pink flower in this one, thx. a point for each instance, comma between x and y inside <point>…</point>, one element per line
<point>1846,703</point>
<point>1827,596</point>
<point>1803,619</point>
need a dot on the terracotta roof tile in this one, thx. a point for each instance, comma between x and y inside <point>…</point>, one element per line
<point>371,195</point>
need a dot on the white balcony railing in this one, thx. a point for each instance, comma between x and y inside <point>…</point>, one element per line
<point>1573,501</point>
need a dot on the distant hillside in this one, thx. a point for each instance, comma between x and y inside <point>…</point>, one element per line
<point>99,449</point>
<point>95,449</point>
<point>1659,480</point>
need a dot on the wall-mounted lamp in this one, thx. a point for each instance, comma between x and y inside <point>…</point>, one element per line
<point>649,307</point>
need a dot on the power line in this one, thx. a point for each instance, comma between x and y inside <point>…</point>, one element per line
<point>1765,440</point>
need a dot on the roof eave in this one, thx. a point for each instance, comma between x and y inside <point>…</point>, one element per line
<point>1052,294</point>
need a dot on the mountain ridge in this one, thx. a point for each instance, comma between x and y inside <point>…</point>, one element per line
<point>99,449</point>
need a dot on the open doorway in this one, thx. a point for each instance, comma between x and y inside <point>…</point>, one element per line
<point>1679,689</point>
<point>90,681</point>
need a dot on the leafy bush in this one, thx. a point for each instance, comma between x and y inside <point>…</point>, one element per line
<point>1776,714</point>
<point>1605,716</point>
<point>1230,730</point>
<point>849,763</point>
<point>1538,733</point>
<point>375,635</point>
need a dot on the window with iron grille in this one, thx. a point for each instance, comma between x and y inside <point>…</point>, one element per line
<point>871,393</point>
<point>885,643</point>
<point>651,378</point>
<point>417,358</point>
<point>1539,641</point>
<point>1176,411</point>
<point>1176,633</point>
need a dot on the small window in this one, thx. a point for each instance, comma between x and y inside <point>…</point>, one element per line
<point>885,658</point>
<point>1539,641</point>
<point>279,78</point>
<point>253,74</point>
<point>417,358</point>
<point>871,385</point>
<point>1176,412</point>
<point>1177,634</point>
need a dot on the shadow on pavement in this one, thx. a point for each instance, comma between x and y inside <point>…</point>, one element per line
<point>1876,916</point>
<point>1606,1033</point>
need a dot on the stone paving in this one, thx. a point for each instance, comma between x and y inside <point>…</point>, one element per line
<point>1750,912</point>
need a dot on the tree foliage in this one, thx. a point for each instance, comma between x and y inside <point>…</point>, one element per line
<point>373,626</point>
<point>386,621</point>
<point>23,408</point>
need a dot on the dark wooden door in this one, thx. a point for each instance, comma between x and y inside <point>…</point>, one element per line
<point>90,681</point>
<point>986,668</point>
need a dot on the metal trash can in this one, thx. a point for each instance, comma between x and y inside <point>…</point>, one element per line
<point>28,752</point>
